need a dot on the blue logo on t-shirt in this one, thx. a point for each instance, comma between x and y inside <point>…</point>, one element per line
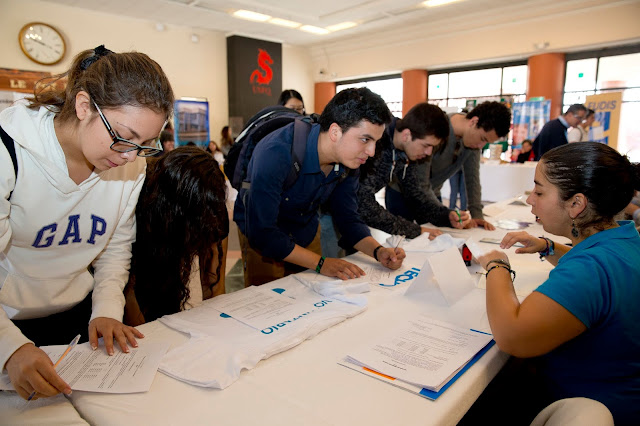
<point>47,234</point>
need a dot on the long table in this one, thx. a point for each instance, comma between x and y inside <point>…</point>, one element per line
<point>306,385</point>
<point>501,181</point>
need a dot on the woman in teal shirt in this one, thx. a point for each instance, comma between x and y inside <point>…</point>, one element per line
<point>582,325</point>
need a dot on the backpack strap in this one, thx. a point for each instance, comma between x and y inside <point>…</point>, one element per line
<point>301,130</point>
<point>9,144</point>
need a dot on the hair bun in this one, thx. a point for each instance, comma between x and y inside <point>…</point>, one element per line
<point>98,53</point>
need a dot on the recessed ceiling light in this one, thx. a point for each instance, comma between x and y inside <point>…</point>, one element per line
<point>341,26</point>
<point>284,23</point>
<point>314,30</point>
<point>433,3</point>
<point>251,16</point>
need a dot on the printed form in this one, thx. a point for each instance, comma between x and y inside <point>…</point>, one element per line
<point>423,351</point>
<point>259,308</point>
<point>87,370</point>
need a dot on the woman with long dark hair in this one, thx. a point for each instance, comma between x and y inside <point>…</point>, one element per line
<point>182,222</point>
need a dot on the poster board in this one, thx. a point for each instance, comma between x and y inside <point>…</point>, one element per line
<point>191,122</point>
<point>607,118</point>
<point>529,118</point>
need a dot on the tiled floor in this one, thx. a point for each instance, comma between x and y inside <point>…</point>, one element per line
<point>234,279</point>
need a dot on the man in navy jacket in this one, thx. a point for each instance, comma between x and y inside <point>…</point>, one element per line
<point>278,226</point>
<point>554,133</point>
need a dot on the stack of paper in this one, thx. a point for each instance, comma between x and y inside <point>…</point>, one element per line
<point>87,370</point>
<point>423,355</point>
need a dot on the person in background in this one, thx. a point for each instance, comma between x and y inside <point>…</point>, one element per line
<point>527,152</point>
<point>213,149</point>
<point>404,144</point>
<point>467,135</point>
<point>178,257</point>
<point>456,183</point>
<point>579,327</point>
<point>633,210</point>
<point>226,141</point>
<point>292,99</point>
<point>554,132</point>
<point>580,133</point>
<point>166,139</point>
<point>169,127</point>
<point>278,226</point>
<point>67,218</point>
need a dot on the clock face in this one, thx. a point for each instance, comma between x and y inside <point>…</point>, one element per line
<point>42,43</point>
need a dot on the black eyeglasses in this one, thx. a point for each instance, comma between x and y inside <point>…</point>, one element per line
<point>123,145</point>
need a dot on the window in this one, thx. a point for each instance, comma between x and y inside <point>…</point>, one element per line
<point>389,88</point>
<point>613,69</point>
<point>451,89</point>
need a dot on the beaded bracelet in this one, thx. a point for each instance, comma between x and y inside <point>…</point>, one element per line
<point>511,271</point>
<point>320,263</point>
<point>500,261</point>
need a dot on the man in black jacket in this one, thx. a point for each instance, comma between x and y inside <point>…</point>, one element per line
<point>461,151</point>
<point>405,143</point>
<point>554,133</point>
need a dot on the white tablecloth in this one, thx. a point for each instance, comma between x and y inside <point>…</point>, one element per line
<point>305,385</point>
<point>46,411</point>
<point>501,181</point>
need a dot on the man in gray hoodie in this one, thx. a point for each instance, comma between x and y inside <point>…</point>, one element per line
<point>468,133</point>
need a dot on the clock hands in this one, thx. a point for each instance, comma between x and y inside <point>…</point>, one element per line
<point>41,43</point>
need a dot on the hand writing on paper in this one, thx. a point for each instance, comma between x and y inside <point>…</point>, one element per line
<point>531,244</point>
<point>433,232</point>
<point>31,370</point>
<point>111,329</point>
<point>390,257</point>
<point>459,219</point>
<point>339,268</point>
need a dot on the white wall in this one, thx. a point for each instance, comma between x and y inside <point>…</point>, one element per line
<point>194,69</point>
<point>477,39</point>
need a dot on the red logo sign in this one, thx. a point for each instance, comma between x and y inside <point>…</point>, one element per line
<point>262,77</point>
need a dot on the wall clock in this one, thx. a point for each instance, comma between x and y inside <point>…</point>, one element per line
<point>42,43</point>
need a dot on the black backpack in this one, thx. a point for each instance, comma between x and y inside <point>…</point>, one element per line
<point>260,125</point>
<point>8,143</point>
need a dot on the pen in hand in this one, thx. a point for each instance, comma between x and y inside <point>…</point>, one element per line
<point>66,352</point>
<point>457,210</point>
<point>402,237</point>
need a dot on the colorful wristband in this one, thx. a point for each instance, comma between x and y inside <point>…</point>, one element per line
<point>320,263</point>
<point>549,250</point>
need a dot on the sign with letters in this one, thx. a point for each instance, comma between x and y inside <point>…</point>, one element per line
<point>605,127</point>
<point>254,73</point>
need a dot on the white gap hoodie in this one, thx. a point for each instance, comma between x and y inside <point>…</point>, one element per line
<point>52,229</point>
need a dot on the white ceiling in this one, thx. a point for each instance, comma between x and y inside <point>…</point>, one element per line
<point>373,16</point>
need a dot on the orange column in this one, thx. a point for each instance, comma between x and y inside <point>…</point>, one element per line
<point>546,78</point>
<point>323,93</point>
<point>414,88</point>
